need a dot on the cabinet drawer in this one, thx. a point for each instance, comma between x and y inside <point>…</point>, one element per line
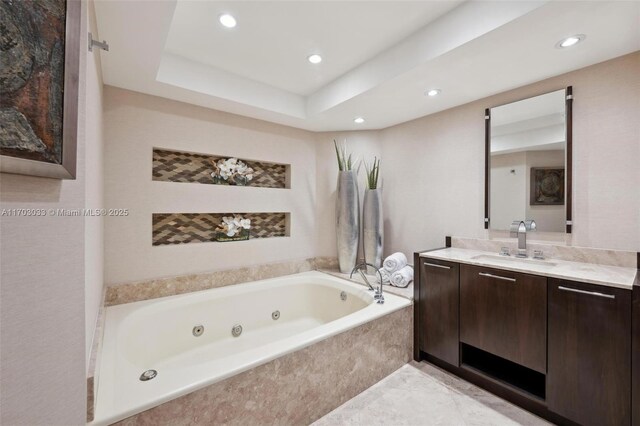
<point>505,313</point>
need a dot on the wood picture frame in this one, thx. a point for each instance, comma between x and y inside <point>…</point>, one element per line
<point>57,157</point>
<point>547,186</point>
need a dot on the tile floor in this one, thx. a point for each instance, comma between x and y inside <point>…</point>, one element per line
<point>422,394</point>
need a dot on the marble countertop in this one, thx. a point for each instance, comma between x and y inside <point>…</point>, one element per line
<point>406,292</point>
<point>611,276</point>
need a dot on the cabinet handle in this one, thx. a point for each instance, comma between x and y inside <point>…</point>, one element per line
<point>592,293</point>
<point>436,265</point>
<point>484,274</point>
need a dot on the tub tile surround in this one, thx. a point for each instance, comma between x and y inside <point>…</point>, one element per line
<point>171,286</point>
<point>299,387</point>
<point>620,258</point>
<point>94,359</point>
<point>406,292</point>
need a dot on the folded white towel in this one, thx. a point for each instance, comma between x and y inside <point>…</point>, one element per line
<point>395,262</point>
<point>403,277</point>
<point>386,276</point>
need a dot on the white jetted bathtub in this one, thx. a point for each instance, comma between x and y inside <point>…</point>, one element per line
<point>190,340</point>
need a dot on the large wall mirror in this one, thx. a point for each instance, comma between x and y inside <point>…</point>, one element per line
<point>528,162</point>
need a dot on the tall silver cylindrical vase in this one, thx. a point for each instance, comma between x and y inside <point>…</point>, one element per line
<point>373,227</point>
<point>347,220</point>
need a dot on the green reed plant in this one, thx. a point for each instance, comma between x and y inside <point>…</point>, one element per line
<point>373,172</point>
<point>345,162</point>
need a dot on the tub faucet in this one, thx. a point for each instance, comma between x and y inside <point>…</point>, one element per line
<point>519,229</point>
<point>378,297</point>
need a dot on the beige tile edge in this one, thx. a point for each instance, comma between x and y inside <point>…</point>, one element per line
<point>161,287</point>
<point>94,359</point>
<point>406,292</point>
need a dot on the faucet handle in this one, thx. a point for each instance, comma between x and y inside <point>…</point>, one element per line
<point>504,251</point>
<point>538,254</point>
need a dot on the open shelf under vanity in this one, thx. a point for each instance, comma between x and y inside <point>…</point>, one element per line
<point>520,379</point>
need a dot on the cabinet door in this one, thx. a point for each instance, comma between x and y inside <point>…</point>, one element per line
<point>439,309</point>
<point>505,313</point>
<point>635,350</point>
<point>589,378</point>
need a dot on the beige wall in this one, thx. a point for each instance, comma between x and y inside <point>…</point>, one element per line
<point>43,339</point>
<point>434,170</point>
<point>135,124</point>
<point>432,175</point>
<point>508,190</point>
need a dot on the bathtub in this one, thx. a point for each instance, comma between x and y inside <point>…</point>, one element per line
<point>277,316</point>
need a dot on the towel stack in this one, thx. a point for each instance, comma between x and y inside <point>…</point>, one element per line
<point>396,271</point>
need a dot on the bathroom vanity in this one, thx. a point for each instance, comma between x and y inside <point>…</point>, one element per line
<point>552,336</point>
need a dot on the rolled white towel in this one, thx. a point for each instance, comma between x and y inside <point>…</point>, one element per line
<point>403,277</point>
<point>386,276</point>
<point>395,262</point>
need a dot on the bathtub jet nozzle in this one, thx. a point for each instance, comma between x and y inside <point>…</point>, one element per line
<point>236,330</point>
<point>148,375</point>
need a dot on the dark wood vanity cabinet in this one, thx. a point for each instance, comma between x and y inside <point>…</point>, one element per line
<point>565,350</point>
<point>505,313</point>
<point>589,372</point>
<point>438,309</point>
<point>635,352</point>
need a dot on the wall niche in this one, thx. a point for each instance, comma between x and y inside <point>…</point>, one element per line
<point>188,167</point>
<point>186,228</point>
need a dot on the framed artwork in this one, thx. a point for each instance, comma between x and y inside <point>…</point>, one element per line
<point>40,43</point>
<point>547,186</point>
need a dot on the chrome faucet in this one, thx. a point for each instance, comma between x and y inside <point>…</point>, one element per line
<point>378,297</point>
<point>519,229</point>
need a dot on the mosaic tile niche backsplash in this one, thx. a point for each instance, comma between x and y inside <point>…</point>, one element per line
<point>177,166</point>
<point>184,228</point>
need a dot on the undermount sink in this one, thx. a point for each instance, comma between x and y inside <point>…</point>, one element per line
<point>506,260</point>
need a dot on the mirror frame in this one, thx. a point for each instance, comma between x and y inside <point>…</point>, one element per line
<point>568,102</point>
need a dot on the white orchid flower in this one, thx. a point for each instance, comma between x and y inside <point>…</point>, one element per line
<point>231,168</point>
<point>229,226</point>
<point>245,223</point>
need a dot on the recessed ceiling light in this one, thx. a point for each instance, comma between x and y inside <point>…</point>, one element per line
<point>433,92</point>
<point>227,20</point>
<point>570,41</point>
<point>315,59</point>
<point>358,120</point>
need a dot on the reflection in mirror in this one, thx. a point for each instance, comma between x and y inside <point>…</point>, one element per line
<point>528,163</point>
